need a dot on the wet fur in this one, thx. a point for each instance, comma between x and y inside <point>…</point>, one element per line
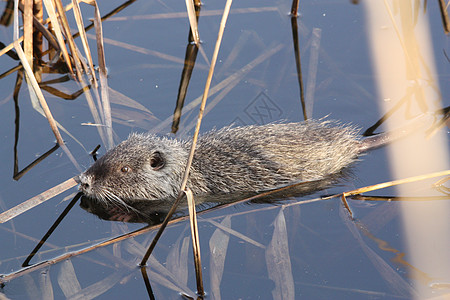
<point>249,158</point>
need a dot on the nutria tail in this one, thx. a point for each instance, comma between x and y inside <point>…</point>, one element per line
<point>375,141</point>
<point>382,139</point>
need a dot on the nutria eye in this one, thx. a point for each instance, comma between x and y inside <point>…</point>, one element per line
<point>157,161</point>
<point>125,169</point>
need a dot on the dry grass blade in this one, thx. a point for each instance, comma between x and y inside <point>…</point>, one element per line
<point>38,17</point>
<point>94,111</point>
<point>57,29</point>
<point>42,29</point>
<point>43,103</point>
<point>36,200</point>
<point>82,32</point>
<point>195,241</point>
<point>394,198</point>
<point>279,262</point>
<point>103,77</point>
<point>39,27</point>
<point>388,184</point>
<point>396,182</point>
<point>38,92</point>
<point>193,21</point>
<point>218,246</point>
<point>102,115</point>
<point>72,46</point>
<point>28,30</point>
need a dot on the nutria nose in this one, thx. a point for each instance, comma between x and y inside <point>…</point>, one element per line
<point>84,182</point>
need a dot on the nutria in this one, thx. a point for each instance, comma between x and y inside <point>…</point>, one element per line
<point>248,158</point>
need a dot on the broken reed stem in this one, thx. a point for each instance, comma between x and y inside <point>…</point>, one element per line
<point>195,242</point>
<point>195,137</point>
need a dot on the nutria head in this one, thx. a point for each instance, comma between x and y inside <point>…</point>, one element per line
<point>141,167</point>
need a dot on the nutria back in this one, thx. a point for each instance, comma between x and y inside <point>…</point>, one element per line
<point>248,158</point>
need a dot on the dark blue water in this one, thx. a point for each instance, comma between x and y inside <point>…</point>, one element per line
<point>329,256</point>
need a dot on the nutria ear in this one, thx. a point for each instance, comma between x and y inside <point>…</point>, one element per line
<point>157,161</point>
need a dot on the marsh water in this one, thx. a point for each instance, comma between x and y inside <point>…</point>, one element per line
<point>291,247</point>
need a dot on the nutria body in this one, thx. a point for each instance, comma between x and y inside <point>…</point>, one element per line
<point>249,158</point>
